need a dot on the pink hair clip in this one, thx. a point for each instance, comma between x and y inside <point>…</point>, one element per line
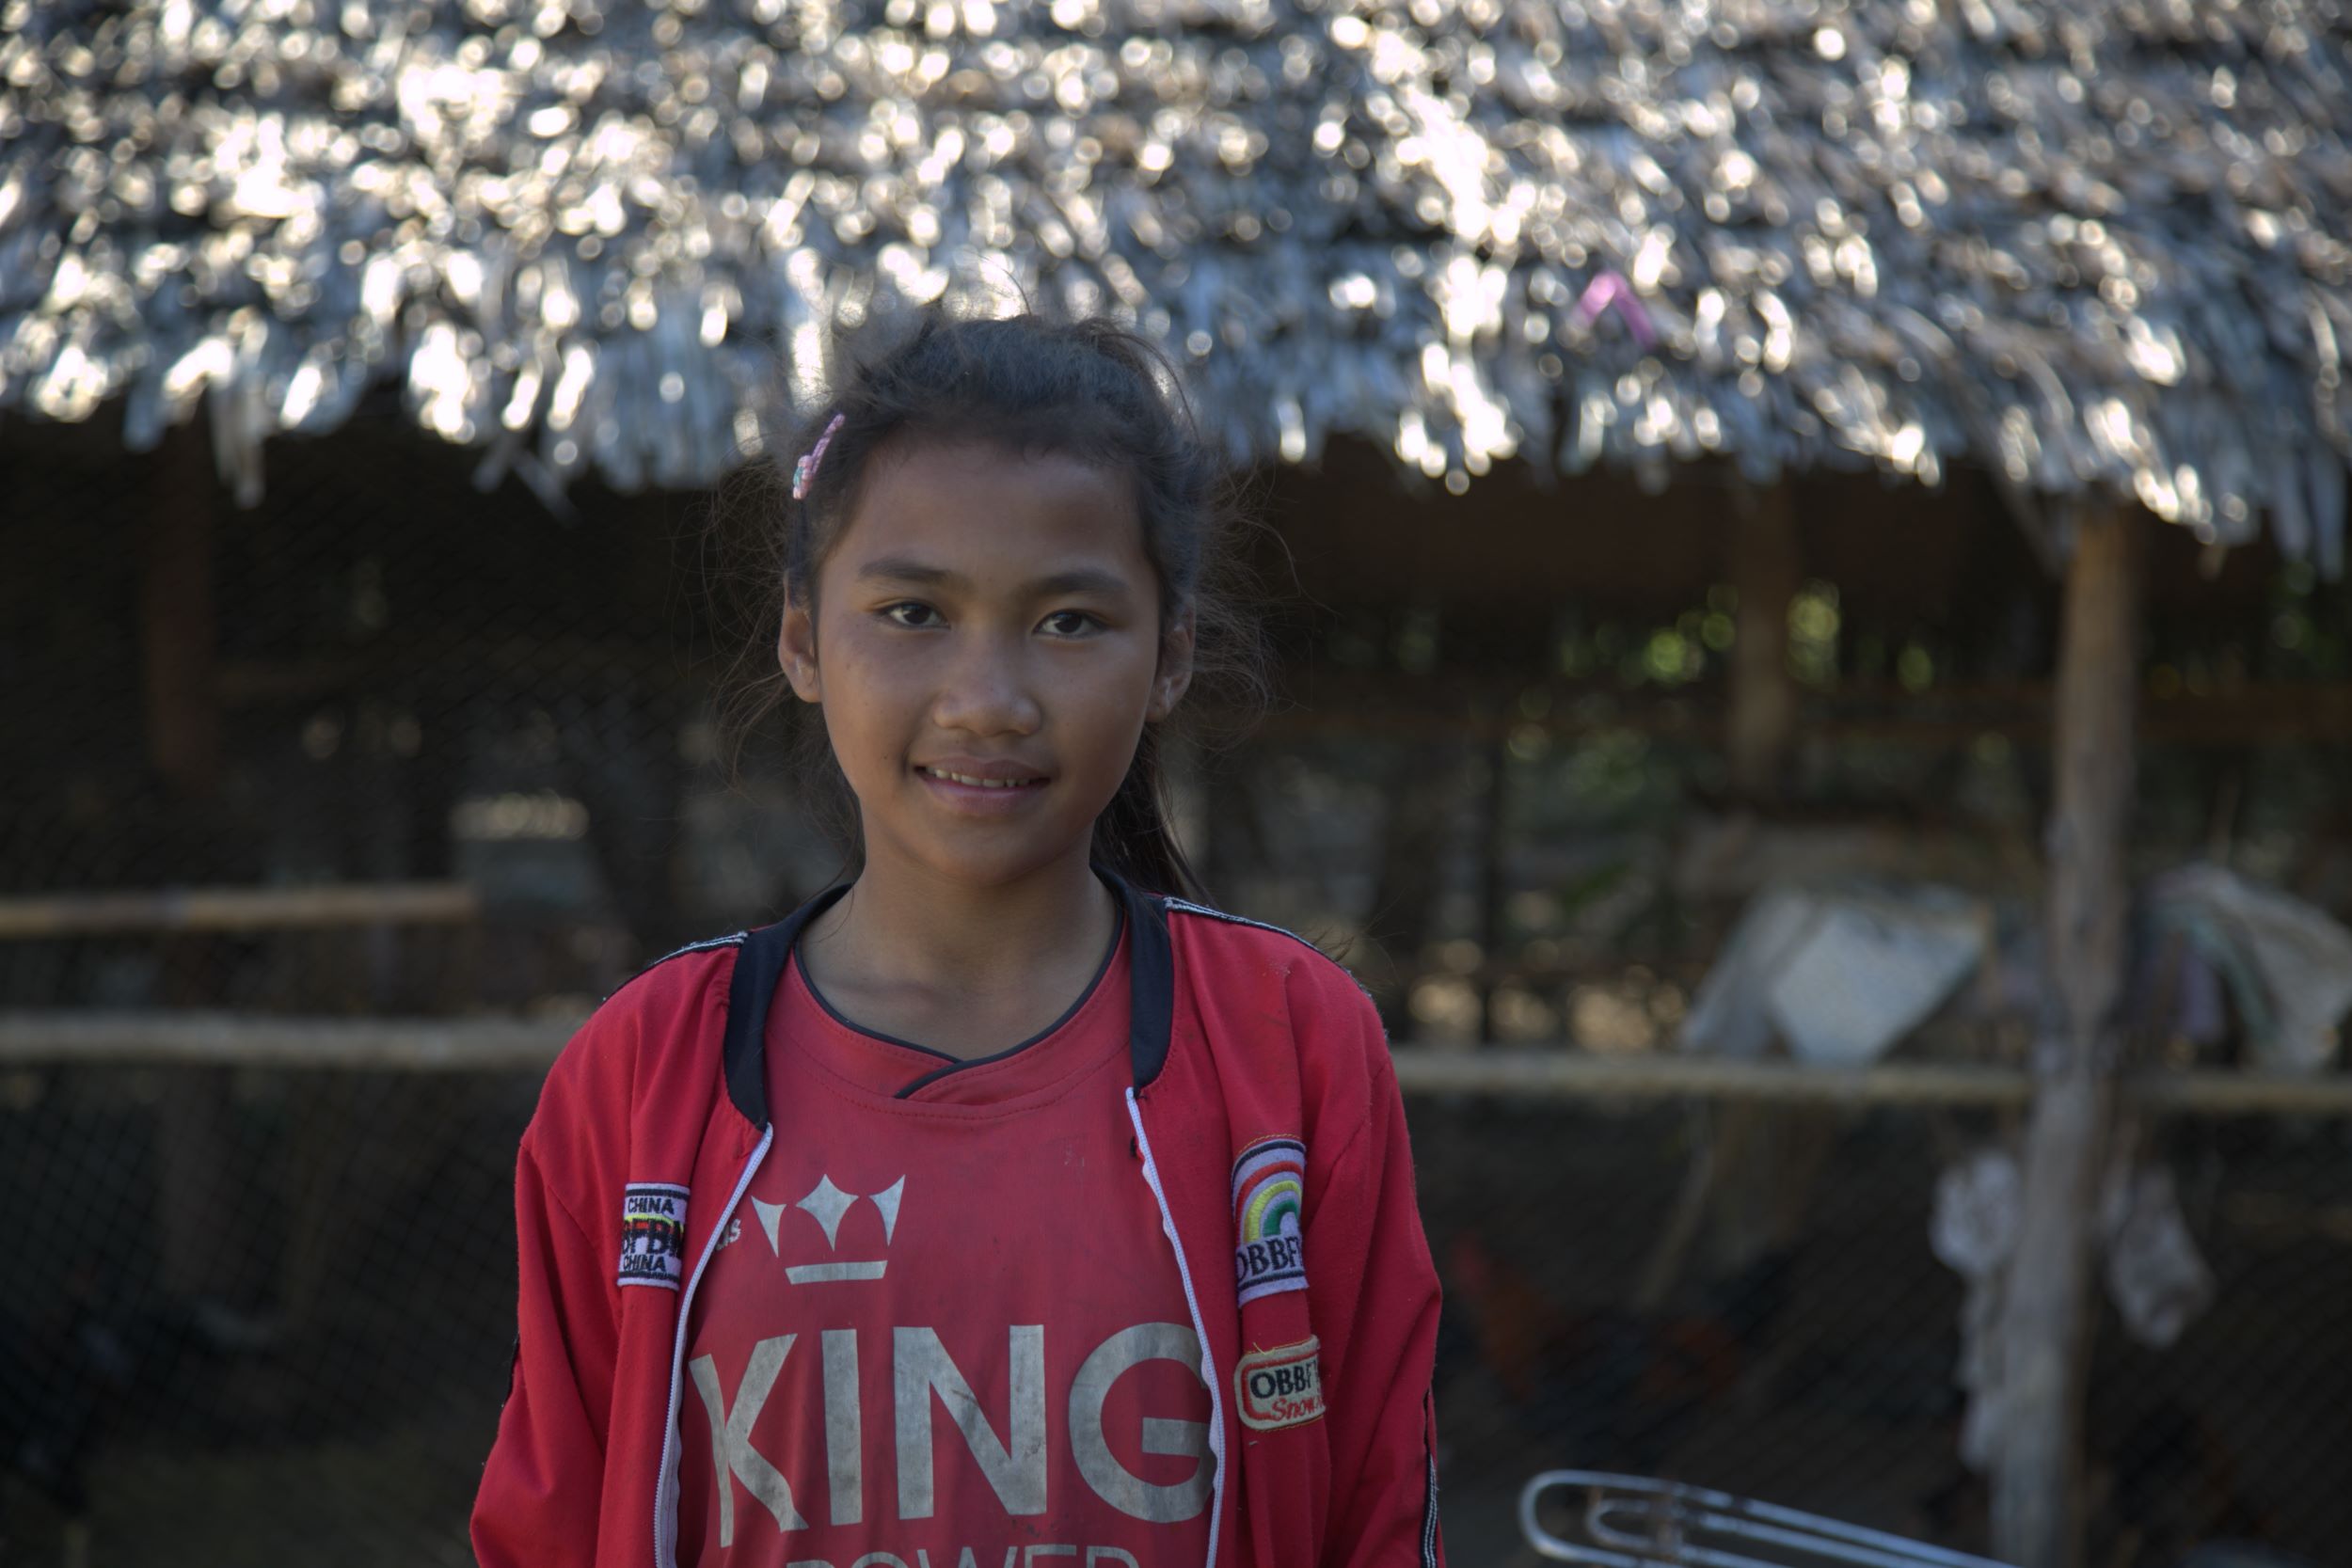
<point>1609,288</point>
<point>804,471</point>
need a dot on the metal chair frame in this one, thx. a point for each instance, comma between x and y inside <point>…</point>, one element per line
<point>1643,1522</point>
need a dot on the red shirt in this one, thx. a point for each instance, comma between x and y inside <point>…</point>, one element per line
<point>943,1321</point>
<point>1244,1044</point>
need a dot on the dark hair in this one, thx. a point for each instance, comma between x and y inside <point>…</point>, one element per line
<point>1089,389</point>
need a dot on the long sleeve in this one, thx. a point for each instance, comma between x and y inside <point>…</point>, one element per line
<point>538,1502</point>
<point>1377,1318</point>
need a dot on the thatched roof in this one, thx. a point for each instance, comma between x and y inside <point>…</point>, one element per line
<point>2106,244</point>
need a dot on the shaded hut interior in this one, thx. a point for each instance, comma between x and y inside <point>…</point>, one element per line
<point>1502,717</point>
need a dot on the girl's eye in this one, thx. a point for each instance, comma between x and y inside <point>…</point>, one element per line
<point>1069,623</point>
<point>909,612</point>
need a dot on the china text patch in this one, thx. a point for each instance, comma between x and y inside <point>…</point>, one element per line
<point>653,1234</point>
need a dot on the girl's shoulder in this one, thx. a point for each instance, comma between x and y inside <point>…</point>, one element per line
<point>703,957</point>
<point>1293,1025</point>
<point>1234,946</point>
<point>1241,931</point>
<point>668,1005</point>
<point>648,1056</point>
<point>1186,909</point>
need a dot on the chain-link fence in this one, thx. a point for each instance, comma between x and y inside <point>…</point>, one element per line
<point>331,1395</point>
<point>445,769</point>
<point>1808,1351</point>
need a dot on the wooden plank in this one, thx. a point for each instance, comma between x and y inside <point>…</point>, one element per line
<point>245,1040</point>
<point>238,909</point>
<point>1551,1074</point>
<point>2043,1338</point>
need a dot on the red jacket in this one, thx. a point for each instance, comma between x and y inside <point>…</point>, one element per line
<point>1245,1040</point>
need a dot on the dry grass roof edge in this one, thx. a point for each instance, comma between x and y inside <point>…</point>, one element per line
<point>2098,247</point>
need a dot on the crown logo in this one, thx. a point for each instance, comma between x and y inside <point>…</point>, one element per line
<point>828,1206</point>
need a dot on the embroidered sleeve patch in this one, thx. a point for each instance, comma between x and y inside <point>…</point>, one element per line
<point>653,1234</point>
<point>1280,1388</point>
<point>1269,1193</point>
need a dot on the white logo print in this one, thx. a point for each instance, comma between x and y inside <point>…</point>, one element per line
<point>830,1205</point>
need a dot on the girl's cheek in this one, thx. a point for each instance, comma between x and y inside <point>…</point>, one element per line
<point>866,671</point>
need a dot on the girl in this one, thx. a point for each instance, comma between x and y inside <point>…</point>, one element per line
<point>1002,1207</point>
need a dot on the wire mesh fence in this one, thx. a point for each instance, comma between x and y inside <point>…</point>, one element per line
<point>443,767</point>
<point>262,1318</point>
<point>292,1338</point>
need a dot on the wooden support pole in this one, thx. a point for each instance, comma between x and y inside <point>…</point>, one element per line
<point>1766,567</point>
<point>180,646</point>
<point>180,649</point>
<point>1754,1178</point>
<point>2046,1319</point>
<point>1424,794</point>
<point>1494,849</point>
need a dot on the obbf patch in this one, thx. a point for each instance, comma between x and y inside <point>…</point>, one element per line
<point>1269,1199</point>
<point>653,1234</point>
<point>1280,1388</point>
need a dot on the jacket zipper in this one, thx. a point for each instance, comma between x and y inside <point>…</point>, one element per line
<point>664,1493</point>
<point>1200,1329</point>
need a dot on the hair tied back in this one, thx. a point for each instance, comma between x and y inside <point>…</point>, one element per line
<point>804,471</point>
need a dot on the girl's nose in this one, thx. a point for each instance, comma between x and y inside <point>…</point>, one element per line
<point>987,692</point>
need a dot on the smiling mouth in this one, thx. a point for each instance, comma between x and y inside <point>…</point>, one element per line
<point>947,777</point>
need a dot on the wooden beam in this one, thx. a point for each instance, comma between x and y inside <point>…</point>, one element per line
<point>237,909</point>
<point>1486,705</point>
<point>2045,1329</point>
<point>1548,1074</point>
<point>2248,713</point>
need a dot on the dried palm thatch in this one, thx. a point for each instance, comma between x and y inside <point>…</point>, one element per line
<point>2099,245</point>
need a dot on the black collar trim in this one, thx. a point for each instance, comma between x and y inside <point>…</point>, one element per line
<point>759,969</point>
<point>951,1065</point>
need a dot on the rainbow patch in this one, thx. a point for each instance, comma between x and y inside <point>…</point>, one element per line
<point>1269,1194</point>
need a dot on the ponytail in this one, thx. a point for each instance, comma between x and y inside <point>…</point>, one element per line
<point>1134,837</point>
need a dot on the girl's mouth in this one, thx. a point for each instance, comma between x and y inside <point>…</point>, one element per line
<point>977,794</point>
<point>974,781</point>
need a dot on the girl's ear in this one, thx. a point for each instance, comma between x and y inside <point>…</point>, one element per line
<point>1175,672</point>
<point>795,649</point>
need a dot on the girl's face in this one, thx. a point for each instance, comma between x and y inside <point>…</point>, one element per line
<point>986,646</point>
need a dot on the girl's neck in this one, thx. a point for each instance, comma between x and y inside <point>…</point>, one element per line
<point>900,929</point>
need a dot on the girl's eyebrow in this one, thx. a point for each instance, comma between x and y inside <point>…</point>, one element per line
<point>1078,579</point>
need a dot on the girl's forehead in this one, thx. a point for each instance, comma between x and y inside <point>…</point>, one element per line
<point>968,495</point>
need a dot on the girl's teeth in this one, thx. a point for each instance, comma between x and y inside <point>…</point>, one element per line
<point>984,783</point>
